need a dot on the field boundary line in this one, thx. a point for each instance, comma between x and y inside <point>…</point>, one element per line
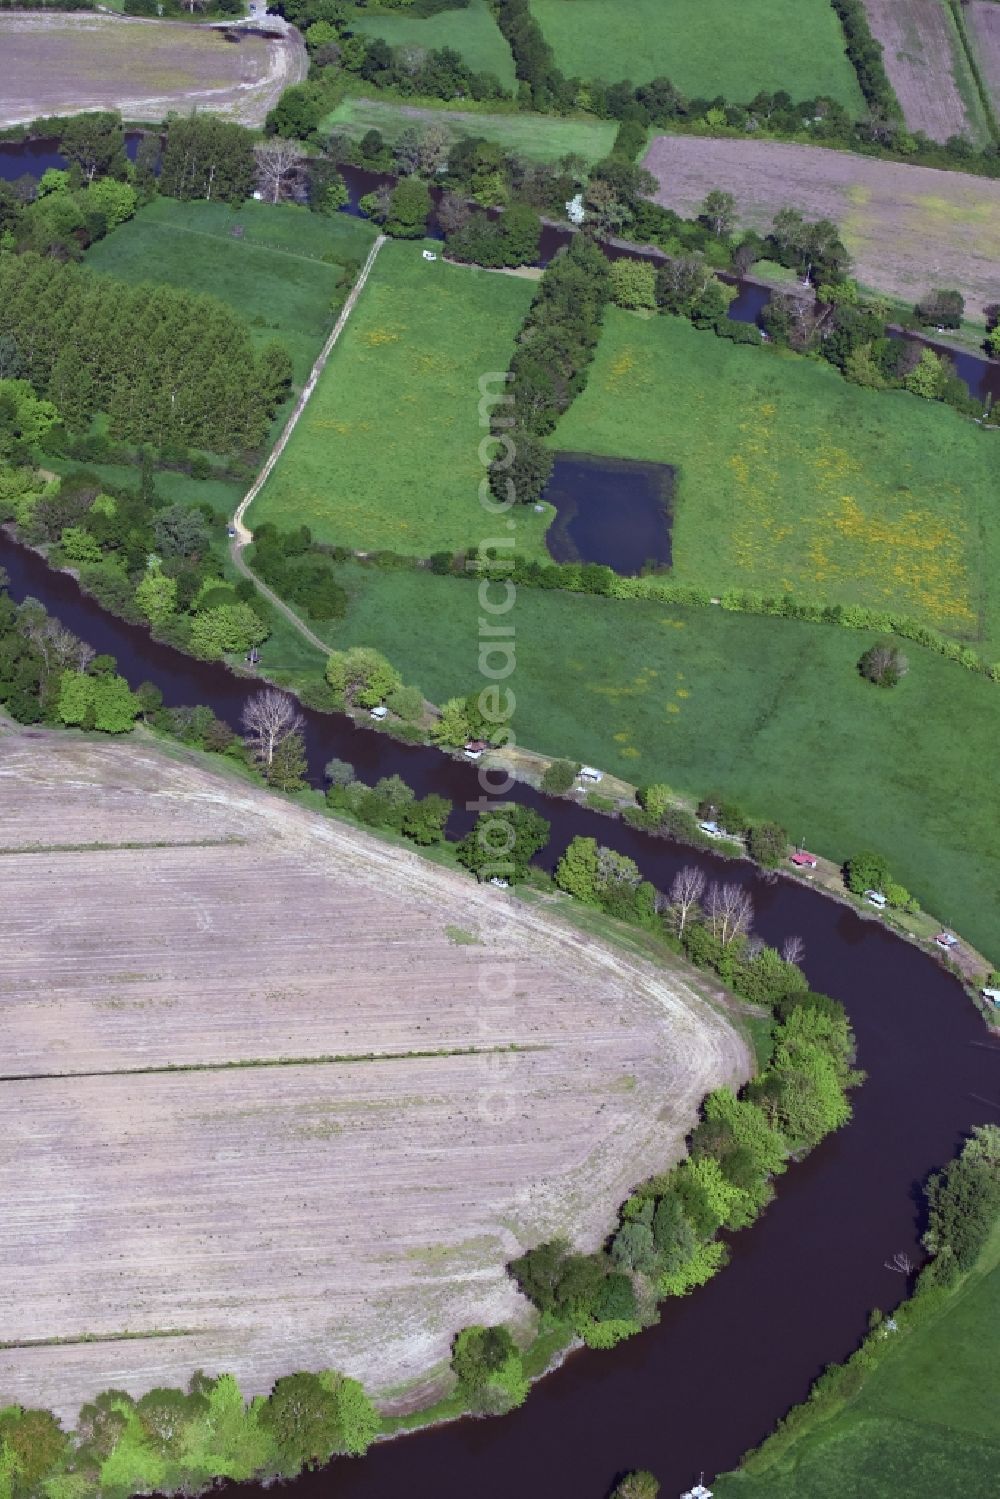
<point>243,535</point>
<point>252,1064</point>
<point>258,244</point>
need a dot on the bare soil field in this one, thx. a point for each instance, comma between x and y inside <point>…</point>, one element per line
<point>60,64</point>
<point>908,228</point>
<point>275,1095</point>
<point>927,67</point>
<point>982,17</point>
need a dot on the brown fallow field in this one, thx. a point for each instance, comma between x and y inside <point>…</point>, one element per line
<point>57,64</point>
<point>396,1080</point>
<point>907,228</point>
<point>927,67</point>
<point>982,17</point>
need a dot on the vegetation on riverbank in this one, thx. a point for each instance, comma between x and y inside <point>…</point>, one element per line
<point>914,1410</point>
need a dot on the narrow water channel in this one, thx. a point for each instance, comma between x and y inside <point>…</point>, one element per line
<point>726,1362</point>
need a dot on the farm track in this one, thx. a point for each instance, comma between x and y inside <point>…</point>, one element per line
<point>284,1214</point>
<point>243,536</point>
<point>58,63</point>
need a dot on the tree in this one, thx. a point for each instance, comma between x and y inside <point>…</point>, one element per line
<point>278,164</point>
<point>866,871</point>
<point>227,629</point>
<point>680,282</point>
<point>941,309</point>
<point>928,375</point>
<point>105,703</point>
<point>407,703</point>
<point>288,765</point>
<point>409,207</point>
<point>180,531</point>
<point>640,1484</point>
<point>207,157</point>
<point>35,1441</point>
<point>303,1420</point>
<point>719,212</point>
<point>298,112</point>
<point>503,842</point>
<point>363,675</point>
<point>520,234</point>
<point>655,799</point>
<point>559,776</point>
<point>729,912</point>
<point>992,343</point>
<point>424,821</point>
<point>686,893</point>
<point>268,718</point>
<point>156,594</point>
<point>768,844</point>
<point>358,1422</point>
<point>24,420</point>
<point>95,142</point>
<point>165,1416</point>
<point>489,1369</point>
<point>327,188</point>
<point>338,772</point>
<point>884,664</point>
<point>576,872</point>
<point>633,283</point>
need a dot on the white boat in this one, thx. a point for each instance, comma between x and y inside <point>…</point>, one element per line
<point>699,1491</point>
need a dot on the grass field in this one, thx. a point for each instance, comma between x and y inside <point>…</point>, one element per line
<point>793,480</point>
<point>771,711</point>
<point>276,276</point>
<point>472,32</point>
<point>925,1423</point>
<point>263,1057</point>
<point>387,452</point>
<point>536,137</point>
<point>706,47</point>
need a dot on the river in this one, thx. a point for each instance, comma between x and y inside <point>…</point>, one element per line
<point>727,1362</point>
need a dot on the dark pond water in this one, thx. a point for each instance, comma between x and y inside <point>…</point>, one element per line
<point>610,510</point>
<point>32,158</point>
<point>725,1363</point>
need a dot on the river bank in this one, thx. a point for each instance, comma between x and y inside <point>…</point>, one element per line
<point>836,1217</point>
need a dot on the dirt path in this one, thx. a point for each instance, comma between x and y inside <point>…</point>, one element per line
<point>244,536</point>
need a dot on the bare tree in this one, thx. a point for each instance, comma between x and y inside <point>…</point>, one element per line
<point>433,147</point>
<point>453,213</point>
<point>278,162</point>
<point>268,718</point>
<point>900,1264</point>
<point>730,912</point>
<point>59,648</point>
<point>793,949</point>
<point>685,894</point>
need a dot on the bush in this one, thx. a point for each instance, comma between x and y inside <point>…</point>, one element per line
<point>884,664</point>
<point>560,777</point>
<point>768,844</point>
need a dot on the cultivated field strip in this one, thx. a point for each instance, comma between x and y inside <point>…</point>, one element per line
<point>925,60</point>
<point>908,228</point>
<point>61,64</point>
<point>982,18</point>
<point>268,1218</point>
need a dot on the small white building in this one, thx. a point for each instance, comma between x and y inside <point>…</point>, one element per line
<point>429,255</point>
<point>380,712</point>
<point>588,773</point>
<point>711,830</point>
<point>876,898</point>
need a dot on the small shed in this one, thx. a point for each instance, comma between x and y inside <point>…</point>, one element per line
<point>588,773</point>
<point>803,860</point>
<point>475,748</point>
<point>380,712</point>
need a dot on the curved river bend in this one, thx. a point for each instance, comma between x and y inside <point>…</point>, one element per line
<point>725,1363</point>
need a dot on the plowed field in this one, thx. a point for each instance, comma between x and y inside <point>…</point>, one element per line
<point>928,68</point>
<point>274,1095</point>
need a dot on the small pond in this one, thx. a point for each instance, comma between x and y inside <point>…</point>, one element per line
<point>610,510</point>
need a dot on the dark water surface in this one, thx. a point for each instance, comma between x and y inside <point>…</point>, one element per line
<point>726,1362</point>
<point>611,510</point>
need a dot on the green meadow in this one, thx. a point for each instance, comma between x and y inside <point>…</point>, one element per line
<point>536,137</point>
<point>705,47</point>
<point>281,273</point>
<point>925,1423</point>
<point>386,454</point>
<point>771,711</point>
<point>792,480</point>
<point>473,33</point>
